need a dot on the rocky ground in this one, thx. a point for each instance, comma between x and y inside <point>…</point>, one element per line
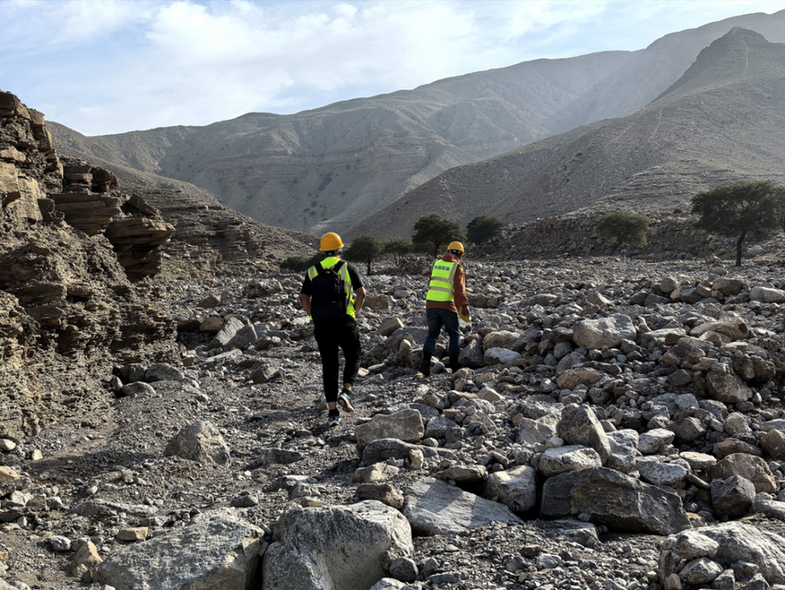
<point>102,473</point>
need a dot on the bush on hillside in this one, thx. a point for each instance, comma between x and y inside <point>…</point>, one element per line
<point>624,227</point>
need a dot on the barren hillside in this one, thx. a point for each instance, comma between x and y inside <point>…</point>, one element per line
<point>723,121</point>
<point>333,166</point>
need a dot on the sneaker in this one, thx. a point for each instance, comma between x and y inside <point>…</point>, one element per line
<point>333,417</point>
<point>345,401</point>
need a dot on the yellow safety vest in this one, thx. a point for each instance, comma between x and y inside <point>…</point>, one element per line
<point>440,287</point>
<point>329,262</point>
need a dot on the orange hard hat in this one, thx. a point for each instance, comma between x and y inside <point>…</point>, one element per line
<point>330,241</point>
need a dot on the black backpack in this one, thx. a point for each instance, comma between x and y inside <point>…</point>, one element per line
<point>328,293</point>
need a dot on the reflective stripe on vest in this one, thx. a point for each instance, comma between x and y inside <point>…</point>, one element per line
<point>440,287</point>
<point>329,262</point>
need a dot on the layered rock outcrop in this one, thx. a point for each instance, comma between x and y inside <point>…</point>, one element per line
<point>73,251</point>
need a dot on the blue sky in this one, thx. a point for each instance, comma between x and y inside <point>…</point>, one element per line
<point>102,66</point>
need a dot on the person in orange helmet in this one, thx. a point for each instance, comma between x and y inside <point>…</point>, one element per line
<point>331,294</point>
<point>446,296</point>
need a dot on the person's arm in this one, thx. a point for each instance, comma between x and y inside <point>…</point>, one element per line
<point>359,299</point>
<point>459,290</point>
<point>305,301</point>
<point>305,295</point>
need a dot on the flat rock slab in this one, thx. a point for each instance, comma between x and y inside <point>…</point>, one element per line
<point>436,508</point>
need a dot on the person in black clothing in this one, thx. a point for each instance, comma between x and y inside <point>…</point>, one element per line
<point>337,333</point>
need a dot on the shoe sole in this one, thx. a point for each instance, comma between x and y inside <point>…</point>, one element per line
<point>345,403</point>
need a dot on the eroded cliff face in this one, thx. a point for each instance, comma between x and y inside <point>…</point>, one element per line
<point>73,251</point>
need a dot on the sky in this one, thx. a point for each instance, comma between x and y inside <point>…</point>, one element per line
<point>103,67</point>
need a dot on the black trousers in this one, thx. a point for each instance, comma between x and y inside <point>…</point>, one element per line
<point>330,336</point>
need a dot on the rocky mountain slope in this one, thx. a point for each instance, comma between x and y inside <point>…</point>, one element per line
<point>333,166</point>
<point>722,121</point>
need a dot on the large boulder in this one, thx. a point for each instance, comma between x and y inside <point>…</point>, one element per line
<point>218,554</point>
<point>615,500</point>
<point>336,547</point>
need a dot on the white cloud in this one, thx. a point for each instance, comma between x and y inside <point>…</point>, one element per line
<point>109,66</point>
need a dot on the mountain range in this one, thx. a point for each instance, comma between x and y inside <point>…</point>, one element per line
<point>544,137</point>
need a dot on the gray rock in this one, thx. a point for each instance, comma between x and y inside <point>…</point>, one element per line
<point>579,426</point>
<point>610,331</point>
<point>652,441</point>
<point>472,355</point>
<point>200,442</point>
<point>406,425</point>
<point>136,388</point>
<point>727,388</point>
<point>742,542</point>
<point>624,450</point>
<point>516,488</point>
<point>734,328</point>
<point>436,508</point>
<point>767,295</point>
<point>336,547</point>
<point>571,378</point>
<point>655,470</point>
<point>732,497</point>
<point>391,448</point>
<point>163,372</point>
<point>213,555</point>
<point>500,356</point>
<point>763,504</point>
<point>615,500</point>
<point>700,571</point>
<point>750,467</point>
<point>244,338</point>
<point>226,333</point>
<point>538,431</point>
<point>690,544</point>
<point>569,458</point>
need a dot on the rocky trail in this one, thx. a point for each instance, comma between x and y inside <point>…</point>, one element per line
<point>590,380</point>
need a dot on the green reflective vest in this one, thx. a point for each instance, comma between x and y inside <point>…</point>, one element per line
<point>440,287</point>
<point>329,262</point>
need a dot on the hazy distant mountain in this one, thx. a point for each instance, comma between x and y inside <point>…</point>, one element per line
<point>722,121</point>
<point>334,166</point>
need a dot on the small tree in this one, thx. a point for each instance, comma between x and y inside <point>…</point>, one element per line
<point>431,232</point>
<point>483,228</point>
<point>624,227</point>
<point>755,209</point>
<point>397,248</point>
<point>364,249</point>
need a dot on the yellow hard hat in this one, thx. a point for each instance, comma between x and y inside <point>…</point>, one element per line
<point>455,246</point>
<point>330,241</point>
<point>464,315</point>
